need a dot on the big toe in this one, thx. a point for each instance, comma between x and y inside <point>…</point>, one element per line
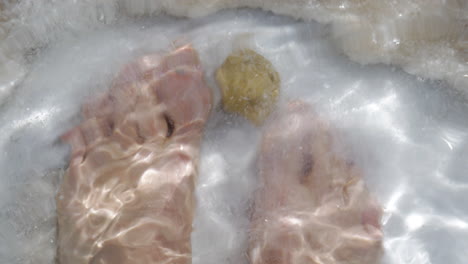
<point>185,95</point>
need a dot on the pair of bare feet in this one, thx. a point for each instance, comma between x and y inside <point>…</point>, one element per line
<point>128,194</point>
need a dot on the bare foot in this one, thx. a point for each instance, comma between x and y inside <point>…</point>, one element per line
<point>313,207</point>
<point>127,196</point>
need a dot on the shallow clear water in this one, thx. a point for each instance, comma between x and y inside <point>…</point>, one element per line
<point>409,135</point>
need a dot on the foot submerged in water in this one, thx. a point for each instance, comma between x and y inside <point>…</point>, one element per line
<point>313,206</point>
<point>128,193</point>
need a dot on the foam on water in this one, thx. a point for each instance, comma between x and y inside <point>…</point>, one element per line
<point>409,135</point>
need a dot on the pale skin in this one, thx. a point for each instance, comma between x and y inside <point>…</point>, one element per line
<point>313,206</point>
<point>127,196</point>
<point>128,193</point>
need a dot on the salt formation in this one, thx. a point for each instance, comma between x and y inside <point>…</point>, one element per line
<point>406,133</point>
<point>427,38</point>
<point>249,85</point>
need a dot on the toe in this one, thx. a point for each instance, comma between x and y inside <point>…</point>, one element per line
<point>185,95</point>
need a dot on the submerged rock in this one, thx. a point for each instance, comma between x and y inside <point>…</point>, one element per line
<point>249,85</point>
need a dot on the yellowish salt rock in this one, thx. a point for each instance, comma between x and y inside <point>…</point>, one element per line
<point>249,85</point>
